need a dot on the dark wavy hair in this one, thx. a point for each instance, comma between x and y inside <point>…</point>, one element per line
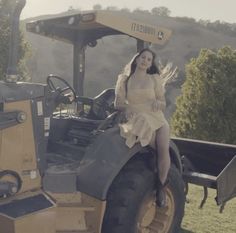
<point>152,70</point>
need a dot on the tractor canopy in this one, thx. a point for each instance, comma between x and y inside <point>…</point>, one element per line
<point>85,28</point>
<point>92,25</point>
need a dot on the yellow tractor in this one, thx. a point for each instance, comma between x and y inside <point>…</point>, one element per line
<point>71,172</point>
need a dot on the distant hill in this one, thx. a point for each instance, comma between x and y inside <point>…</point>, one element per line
<point>106,60</point>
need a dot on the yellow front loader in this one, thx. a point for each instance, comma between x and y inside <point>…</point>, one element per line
<point>71,172</point>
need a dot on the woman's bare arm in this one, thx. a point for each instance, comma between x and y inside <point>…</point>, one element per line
<point>120,102</point>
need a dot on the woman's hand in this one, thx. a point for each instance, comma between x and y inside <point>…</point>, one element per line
<point>129,114</point>
<point>124,116</point>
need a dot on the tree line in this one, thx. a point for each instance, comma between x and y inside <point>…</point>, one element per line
<point>217,26</point>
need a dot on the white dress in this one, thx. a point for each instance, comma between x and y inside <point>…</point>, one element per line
<point>142,119</point>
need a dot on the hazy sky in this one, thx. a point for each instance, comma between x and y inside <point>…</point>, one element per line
<point>223,10</point>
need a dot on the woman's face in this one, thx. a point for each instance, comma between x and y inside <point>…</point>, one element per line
<point>144,61</point>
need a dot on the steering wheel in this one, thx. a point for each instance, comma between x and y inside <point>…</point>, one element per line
<point>67,87</point>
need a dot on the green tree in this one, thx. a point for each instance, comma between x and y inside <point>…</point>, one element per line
<point>161,11</point>
<point>141,11</point>
<point>6,7</point>
<point>97,7</point>
<point>125,9</point>
<point>206,109</point>
<point>112,8</point>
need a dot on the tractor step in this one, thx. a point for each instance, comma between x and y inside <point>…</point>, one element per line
<point>76,205</point>
<point>65,231</point>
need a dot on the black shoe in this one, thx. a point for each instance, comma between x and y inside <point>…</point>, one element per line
<point>161,200</point>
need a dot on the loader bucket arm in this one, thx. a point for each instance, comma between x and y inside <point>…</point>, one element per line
<point>211,165</point>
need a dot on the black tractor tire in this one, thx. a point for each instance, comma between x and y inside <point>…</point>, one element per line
<point>131,206</point>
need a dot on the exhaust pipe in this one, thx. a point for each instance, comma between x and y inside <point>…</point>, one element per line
<point>12,74</point>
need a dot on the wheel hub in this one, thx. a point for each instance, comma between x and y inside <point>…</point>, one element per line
<point>152,219</point>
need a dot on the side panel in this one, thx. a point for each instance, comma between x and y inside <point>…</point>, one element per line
<point>17,151</point>
<point>102,162</point>
<point>226,186</point>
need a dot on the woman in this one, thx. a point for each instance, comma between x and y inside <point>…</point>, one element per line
<point>140,94</point>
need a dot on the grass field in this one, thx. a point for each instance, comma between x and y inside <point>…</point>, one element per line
<point>208,219</point>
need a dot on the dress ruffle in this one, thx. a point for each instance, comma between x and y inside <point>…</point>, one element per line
<point>140,128</point>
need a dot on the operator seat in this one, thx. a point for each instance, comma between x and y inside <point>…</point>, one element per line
<point>100,106</point>
<point>79,130</point>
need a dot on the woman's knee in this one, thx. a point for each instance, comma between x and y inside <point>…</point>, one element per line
<point>163,134</point>
<point>166,129</point>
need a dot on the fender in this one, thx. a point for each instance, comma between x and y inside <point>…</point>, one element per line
<point>104,159</point>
